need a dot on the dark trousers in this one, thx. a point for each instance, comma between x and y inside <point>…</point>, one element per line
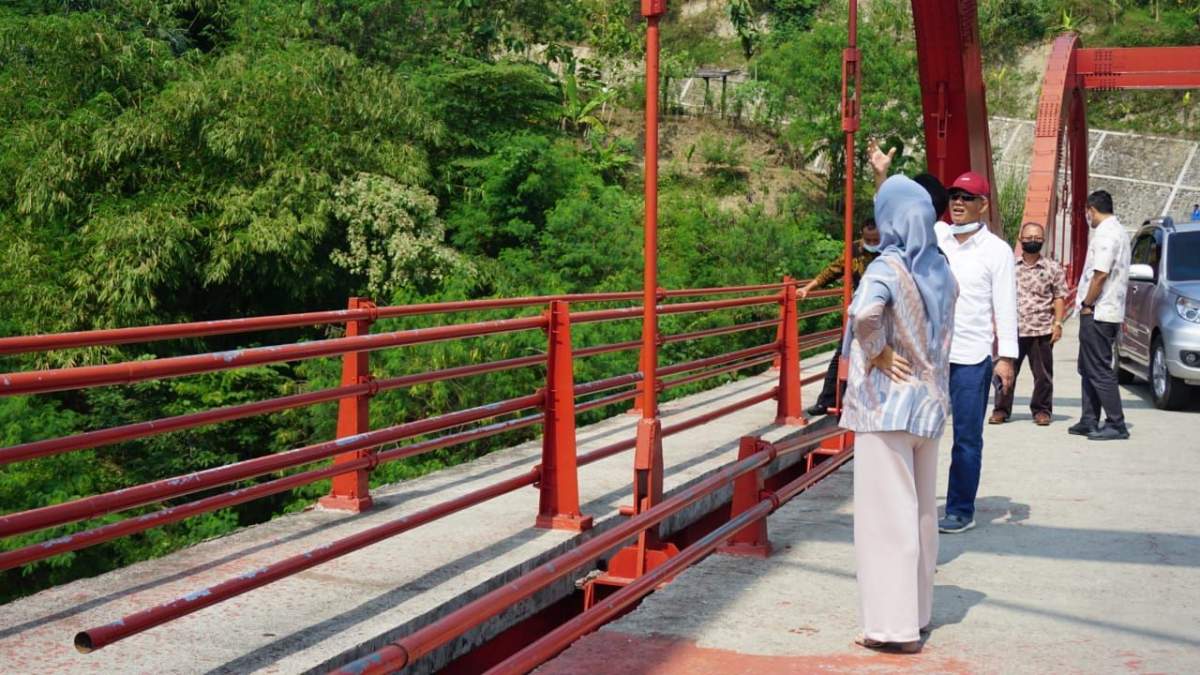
<point>1095,369</point>
<point>969,387</point>
<point>828,396</point>
<point>1041,362</point>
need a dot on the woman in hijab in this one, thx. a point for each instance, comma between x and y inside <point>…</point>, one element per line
<point>896,402</point>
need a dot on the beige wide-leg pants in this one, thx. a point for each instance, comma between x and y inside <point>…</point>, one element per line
<point>895,532</point>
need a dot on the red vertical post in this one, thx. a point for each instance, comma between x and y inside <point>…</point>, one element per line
<point>558,505</point>
<point>791,410</point>
<point>351,491</point>
<point>747,492</point>
<point>851,85</point>
<point>778,362</point>
<point>648,470</point>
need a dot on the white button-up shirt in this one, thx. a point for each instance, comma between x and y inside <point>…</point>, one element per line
<point>1108,251</point>
<point>983,266</point>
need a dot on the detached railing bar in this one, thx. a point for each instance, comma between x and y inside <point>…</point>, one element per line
<point>99,535</point>
<point>720,359</point>
<point>129,432</point>
<point>533,655</point>
<point>83,377</point>
<point>149,493</point>
<point>621,446</point>
<point>598,315</point>
<point>741,365</point>
<point>678,337</point>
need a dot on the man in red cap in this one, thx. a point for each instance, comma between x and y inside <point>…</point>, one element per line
<point>986,315</point>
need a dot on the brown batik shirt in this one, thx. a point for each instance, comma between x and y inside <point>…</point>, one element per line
<point>1038,285</point>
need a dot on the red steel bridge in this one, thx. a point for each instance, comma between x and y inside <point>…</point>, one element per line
<point>956,135</point>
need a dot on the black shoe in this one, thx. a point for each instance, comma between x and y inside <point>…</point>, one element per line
<point>1109,433</point>
<point>818,410</point>
<point>1082,429</point>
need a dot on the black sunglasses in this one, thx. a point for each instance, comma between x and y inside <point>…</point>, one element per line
<point>963,197</point>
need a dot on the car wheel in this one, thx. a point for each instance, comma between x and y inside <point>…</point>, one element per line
<point>1170,393</point>
<point>1123,376</point>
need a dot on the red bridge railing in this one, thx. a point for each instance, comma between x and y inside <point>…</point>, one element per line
<point>356,450</point>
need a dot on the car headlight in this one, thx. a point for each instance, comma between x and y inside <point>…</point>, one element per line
<point>1189,309</point>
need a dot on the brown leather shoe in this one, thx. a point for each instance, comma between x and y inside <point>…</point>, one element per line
<point>998,418</point>
<point>1041,419</point>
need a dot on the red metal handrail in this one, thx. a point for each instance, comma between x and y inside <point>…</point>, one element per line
<point>360,341</point>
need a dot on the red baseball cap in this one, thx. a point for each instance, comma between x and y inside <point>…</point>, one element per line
<point>972,183</point>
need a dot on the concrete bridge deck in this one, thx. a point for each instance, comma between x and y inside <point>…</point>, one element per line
<point>333,613</point>
<point>1086,559</point>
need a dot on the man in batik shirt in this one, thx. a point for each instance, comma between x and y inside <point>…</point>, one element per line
<point>1041,297</point>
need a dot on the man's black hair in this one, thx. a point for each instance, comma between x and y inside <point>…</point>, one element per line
<point>1101,201</point>
<point>937,192</point>
<point>869,224</point>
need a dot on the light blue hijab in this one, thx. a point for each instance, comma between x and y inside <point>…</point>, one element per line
<point>904,215</point>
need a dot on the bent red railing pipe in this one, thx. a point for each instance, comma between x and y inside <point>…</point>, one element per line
<point>96,638</point>
<point>549,645</point>
<point>42,381</point>
<point>149,493</point>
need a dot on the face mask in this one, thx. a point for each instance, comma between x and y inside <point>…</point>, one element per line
<point>870,249</point>
<point>965,228</point>
<point>1031,246</point>
<point>1087,217</point>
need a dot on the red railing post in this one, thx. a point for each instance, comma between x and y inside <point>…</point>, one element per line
<point>747,493</point>
<point>791,411</point>
<point>778,362</point>
<point>558,505</point>
<point>351,491</point>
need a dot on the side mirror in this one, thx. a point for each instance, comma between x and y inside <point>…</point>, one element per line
<point>1141,272</point>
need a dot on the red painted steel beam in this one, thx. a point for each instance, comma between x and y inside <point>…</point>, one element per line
<point>1060,144</point>
<point>540,651</point>
<point>149,493</point>
<point>1139,68</point>
<point>950,66</point>
<point>42,381</point>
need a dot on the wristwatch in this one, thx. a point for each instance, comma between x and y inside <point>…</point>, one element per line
<point>1088,305</point>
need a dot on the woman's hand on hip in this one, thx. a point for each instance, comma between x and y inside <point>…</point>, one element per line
<point>893,365</point>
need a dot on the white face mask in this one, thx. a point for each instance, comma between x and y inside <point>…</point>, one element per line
<point>1087,217</point>
<point>870,249</point>
<point>966,228</point>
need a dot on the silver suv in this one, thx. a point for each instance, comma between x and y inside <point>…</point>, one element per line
<point>1160,340</point>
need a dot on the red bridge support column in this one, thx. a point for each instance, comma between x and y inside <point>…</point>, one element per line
<point>558,505</point>
<point>352,491</point>
<point>747,493</point>
<point>791,409</point>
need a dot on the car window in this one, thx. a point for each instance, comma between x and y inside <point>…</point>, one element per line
<point>1141,250</point>
<point>1183,256</point>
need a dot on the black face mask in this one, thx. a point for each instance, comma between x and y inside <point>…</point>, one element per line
<point>1031,247</point>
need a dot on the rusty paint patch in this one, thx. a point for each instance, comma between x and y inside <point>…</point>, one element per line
<point>662,655</point>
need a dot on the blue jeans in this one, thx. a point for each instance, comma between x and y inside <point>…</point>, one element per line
<point>969,386</point>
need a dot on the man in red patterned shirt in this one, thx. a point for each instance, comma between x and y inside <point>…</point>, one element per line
<point>1041,295</point>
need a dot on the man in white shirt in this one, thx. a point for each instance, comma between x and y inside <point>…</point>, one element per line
<point>986,315</point>
<point>1100,302</point>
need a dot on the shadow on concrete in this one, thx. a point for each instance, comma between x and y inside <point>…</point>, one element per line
<point>951,604</point>
<point>1011,536</point>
